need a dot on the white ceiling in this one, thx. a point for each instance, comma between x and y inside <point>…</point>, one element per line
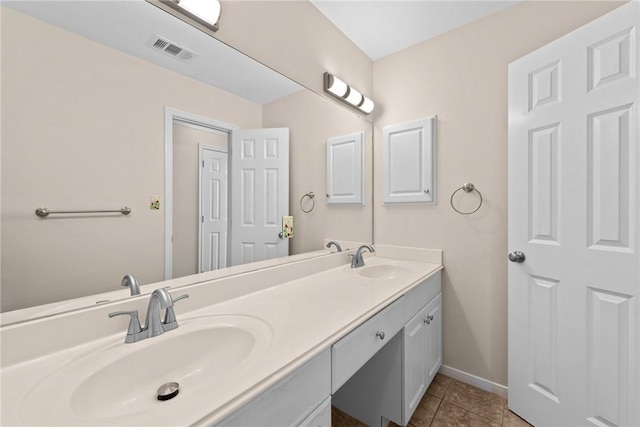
<point>127,25</point>
<point>382,27</point>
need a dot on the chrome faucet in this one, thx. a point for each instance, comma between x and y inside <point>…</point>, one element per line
<point>155,325</point>
<point>336,244</point>
<point>358,260</point>
<point>130,281</point>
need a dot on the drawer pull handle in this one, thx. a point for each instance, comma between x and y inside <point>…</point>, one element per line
<point>380,335</point>
<point>428,319</point>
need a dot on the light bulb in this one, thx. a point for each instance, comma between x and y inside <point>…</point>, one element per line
<point>354,98</point>
<point>337,86</point>
<point>367,105</point>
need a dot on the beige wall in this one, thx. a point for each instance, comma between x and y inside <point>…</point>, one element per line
<point>462,77</point>
<point>83,128</point>
<point>294,38</point>
<point>186,197</point>
<point>312,120</point>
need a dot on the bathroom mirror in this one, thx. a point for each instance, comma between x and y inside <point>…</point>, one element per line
<point>85,90</point>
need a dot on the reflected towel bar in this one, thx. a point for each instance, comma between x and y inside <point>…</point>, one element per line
<point>44,212</point>
<point>311,197</point>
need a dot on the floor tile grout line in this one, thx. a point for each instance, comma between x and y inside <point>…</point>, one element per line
<point>474,413</point>
<point>435,413</point>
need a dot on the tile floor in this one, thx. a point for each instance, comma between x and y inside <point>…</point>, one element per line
<point>448,402</point>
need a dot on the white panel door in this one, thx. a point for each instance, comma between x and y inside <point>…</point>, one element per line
<point>259,194</point>
<point>409,162</point>
<point>345,170</point>
<point>574,192</point>
<point>213,209</point>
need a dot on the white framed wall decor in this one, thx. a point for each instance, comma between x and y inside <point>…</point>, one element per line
<point>345,170</point>
<point>409,162</point>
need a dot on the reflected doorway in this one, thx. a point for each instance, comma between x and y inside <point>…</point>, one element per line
<point>199,198</point>
<point>244,211</point>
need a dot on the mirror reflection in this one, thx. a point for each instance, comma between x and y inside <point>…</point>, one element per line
<point>92,110</point>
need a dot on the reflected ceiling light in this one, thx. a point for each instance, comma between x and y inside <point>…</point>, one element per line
<point>346,93</point>
<point>204,12</point>
<point>208,10</point>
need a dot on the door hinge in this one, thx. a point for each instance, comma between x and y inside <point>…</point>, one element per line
<point>203,164</point>
<point>203,219</point>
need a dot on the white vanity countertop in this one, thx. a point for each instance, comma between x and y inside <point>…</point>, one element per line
<point>305,316</point>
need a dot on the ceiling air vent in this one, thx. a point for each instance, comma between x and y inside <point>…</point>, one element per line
<point>170,48</point>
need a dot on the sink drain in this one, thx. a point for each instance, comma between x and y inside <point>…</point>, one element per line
<point>168,391</point>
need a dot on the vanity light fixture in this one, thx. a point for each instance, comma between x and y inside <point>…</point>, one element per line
<point>335,86</point>
<point>354,97</point>
<point>204,12</point>
<point>346,93</point>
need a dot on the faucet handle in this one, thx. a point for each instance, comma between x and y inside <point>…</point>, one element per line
<point>170,315</point>
<point>176,299</point>
<point>134,323</point>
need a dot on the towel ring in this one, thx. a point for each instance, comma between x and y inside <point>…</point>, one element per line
<point>311,196</point>
<point>467,187</point>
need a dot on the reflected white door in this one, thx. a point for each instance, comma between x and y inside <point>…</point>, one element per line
<point>259,194</point>
<point>574,192</point>
<point>213,208</point>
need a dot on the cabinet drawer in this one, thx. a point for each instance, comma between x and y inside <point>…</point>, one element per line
<point>354,350</point>
<point>290,401</point>
<point>419,296</point>
<point>321,417</point>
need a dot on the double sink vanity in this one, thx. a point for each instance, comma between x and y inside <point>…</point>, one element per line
<point>277,346</point>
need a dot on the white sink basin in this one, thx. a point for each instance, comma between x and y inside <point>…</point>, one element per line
<point>384,271</point>
<point>121,380</point>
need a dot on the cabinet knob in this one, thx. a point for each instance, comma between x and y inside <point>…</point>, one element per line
<point>428,319</point>
<point>380,335</point>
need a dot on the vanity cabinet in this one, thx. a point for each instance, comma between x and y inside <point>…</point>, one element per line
<point>391,384</point>
<point>350,353</point>
<point>379,371</point>
<point>321,417</point>
<point>299,399</point>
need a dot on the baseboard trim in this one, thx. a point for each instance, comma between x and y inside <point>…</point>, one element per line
<point>473,380</point>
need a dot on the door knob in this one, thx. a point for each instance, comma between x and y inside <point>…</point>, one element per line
<point>516,256</point>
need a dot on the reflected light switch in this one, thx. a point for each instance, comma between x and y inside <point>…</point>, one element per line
<point>287,227</point>
<point>154,204</point>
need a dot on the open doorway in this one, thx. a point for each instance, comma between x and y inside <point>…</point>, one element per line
<point>199,198</point>
<point>226,191</point>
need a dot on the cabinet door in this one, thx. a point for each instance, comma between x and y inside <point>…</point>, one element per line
<point>415,363</point>
<point>433,322</point>
<point>409,162</point>
<point>345,170</point>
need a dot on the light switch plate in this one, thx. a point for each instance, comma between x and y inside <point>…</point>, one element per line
<point>287,227</point>
<point>154,204</point>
